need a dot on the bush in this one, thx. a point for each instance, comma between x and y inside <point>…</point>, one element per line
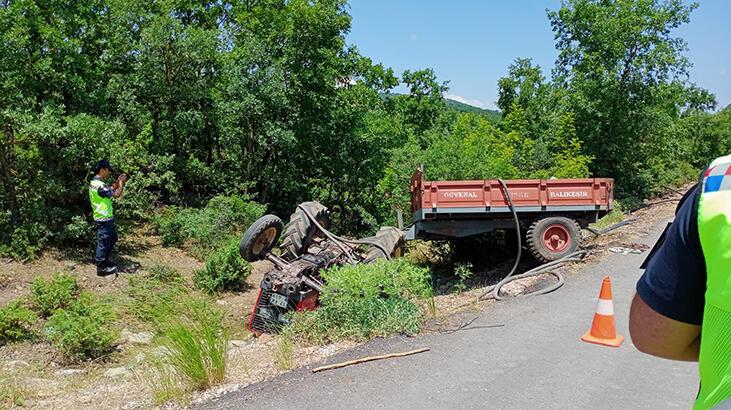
<point>364,301</point>
<point>47,296</point>
<point>24,242</point>
<point>171,226</point>
<point>78,230</point>
<point>224,270</point>
<point>433,254</point>
<point>195,344</point>
<point>208,228</point>
<point>16,322</point>
<point>83,330</point>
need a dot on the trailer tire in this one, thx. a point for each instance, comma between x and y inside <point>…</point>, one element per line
<point>300,231</point>
<point>552,238</point>
<point>260,238</point>
<point>391,239</point>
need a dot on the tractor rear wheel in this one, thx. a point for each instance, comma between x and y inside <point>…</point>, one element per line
<point>552,238</point>
<point>300,231</point>
<point>260,238</point>
<point>389,238</point>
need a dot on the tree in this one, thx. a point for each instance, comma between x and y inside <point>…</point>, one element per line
<point>525,86</point>
<point>626,74</point>
<point>424,104</point>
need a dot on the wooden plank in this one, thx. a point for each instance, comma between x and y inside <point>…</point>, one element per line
<point>368,359</point>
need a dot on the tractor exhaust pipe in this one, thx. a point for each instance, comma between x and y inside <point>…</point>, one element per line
<point>276,260</point>
<point>312,283</point>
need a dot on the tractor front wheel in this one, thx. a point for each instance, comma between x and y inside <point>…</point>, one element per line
<point>260,238</point>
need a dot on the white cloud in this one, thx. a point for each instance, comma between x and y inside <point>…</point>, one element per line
<point>490,105</point>
<point>413,36</point>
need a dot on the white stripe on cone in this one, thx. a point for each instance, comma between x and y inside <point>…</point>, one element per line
<point>605,307</point>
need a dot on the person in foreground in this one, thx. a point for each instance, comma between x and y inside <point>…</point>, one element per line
<point>100,196</point>
<point>682,309</point>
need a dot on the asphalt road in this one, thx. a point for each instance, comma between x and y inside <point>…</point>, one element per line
<point>535,360</point>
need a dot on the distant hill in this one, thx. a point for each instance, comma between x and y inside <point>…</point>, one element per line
<point>462,107</point>
<point>493,115</point>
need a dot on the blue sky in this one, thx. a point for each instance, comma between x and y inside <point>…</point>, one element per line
<point>470,43</point>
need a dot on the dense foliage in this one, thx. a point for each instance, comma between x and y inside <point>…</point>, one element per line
<point>264,100</point>
<point>204,230</point>
<point>365,301</point>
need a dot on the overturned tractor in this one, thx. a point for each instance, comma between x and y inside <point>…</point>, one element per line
<point>294,282</point>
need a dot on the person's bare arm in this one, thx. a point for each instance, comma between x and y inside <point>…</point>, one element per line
<point>118,186</point>
<point>660,336</point>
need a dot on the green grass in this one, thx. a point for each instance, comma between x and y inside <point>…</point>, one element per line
<point>165,274</point>
<point>617,215</point>
<point>365,301</point>
<point>164,383</point>
<point>189,328</point>
<point>195,342</point>
<point>12,394</point>
<point>152,298</point>
<point>284,353</point>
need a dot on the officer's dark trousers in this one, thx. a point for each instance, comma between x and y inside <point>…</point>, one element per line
<point>106,235</point>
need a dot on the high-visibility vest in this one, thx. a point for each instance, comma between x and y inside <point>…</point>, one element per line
<point>101,207</point>
<point>714,228</point>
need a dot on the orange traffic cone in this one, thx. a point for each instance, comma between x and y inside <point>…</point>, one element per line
<point>603,330</point>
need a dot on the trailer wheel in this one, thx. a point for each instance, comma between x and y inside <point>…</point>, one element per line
<point>300,231</point>
<point>391,239</point>
<point>553,238</point>
<point>260,238</point>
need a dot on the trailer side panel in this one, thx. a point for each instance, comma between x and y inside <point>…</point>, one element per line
<point>480,198</point>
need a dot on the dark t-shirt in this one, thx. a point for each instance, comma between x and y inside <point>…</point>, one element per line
<point>674,283</point>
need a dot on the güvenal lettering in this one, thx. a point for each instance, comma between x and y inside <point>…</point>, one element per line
<point>460,195</point>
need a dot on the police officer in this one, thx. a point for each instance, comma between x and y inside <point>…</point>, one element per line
<point>100,196</point>
<point>682,309</point>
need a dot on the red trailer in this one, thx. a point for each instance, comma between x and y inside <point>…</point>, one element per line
<point>551,212</point>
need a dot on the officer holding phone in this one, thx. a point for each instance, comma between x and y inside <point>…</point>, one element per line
<point>100,196</point>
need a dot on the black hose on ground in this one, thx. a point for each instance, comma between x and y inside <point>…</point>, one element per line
<point>494,291</point>
<point>337,239</point>
<point>599,232</point>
